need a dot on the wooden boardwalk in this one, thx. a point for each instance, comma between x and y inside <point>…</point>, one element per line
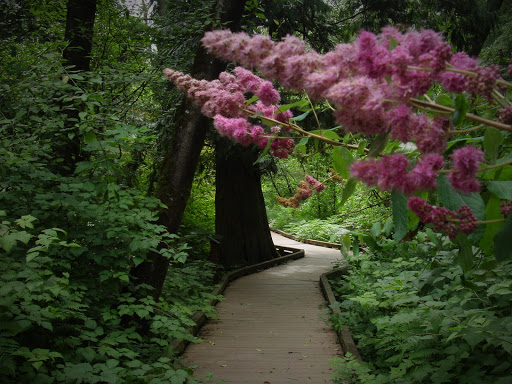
<point>270,326</point>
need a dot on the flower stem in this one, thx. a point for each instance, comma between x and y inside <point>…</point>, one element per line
<point>441,108</point>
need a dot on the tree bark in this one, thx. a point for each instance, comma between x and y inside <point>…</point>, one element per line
<point>241,222</point>
<point>79,33</point>
<point>182,154</point>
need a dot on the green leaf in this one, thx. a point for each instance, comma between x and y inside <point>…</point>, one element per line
<point>355,245</point>
<point>432,236</point>
<point>300,117</point>
<point>89,137</point>
<point>378,145</point>
<point>342,160</point>
<point>376,230</point>
<point>500,189</point>
<point>445,100</point>
<point>465,256</point>
<point>26,221</point>
<point>388,226</point>
<point>392,43</point>
<point>493,138</point>
<point>8,242</point>
<point>327,133</point>
<point>400,215</point>
<point>502,248</point>
<point>492,211</point>
<point>285,107</point>
<point>461,108</point>
<point>453,200</point>
<point>349,189</point>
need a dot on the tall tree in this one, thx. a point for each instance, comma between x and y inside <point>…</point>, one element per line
<point>182,154</point>
<point>79,34</point>
<point>240,216</point>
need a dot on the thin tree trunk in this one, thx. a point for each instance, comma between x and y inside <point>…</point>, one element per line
<point>77,54</point>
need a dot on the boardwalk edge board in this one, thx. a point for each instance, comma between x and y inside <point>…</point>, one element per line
<point>307,241</point>
<point>347,342</point>
<point>199,318</point>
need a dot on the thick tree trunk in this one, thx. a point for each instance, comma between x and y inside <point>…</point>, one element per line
<point>182,154</point>
<point>240,217</point>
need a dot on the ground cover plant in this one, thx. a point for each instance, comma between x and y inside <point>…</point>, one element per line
<point>418,319</point>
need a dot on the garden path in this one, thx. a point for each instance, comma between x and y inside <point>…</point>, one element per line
<point>270,326</point>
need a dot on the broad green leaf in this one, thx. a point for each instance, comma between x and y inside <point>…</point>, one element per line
<point>378,145</point>
<point>89,137</point>
<point>465,256</point>
<point>376,230</point>
<point>492,211</point>
<point>355,245</point>
<point>432,236</point>
<point>349,189</point>
<point>388,226</point>
<point>461,107</point>
<point>453,200</point>
<point>26,221</point>
<point>493,138</point>
<point>400,215</point>
<point>500,189</point>
<point>502,248</point>
<point>8,242</point>
<point>342,160</point>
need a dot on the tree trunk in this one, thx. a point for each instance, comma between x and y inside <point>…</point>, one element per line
<point>182,154</point>
<point>79,34</point>
<point>240,217</point>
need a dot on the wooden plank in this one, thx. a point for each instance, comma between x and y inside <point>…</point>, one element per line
<point>270,327</point>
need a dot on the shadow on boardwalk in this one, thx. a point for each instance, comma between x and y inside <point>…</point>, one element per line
<point>269,327</point>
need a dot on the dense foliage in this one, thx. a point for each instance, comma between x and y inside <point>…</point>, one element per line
<point>417,319</point>
<point>69,309</point>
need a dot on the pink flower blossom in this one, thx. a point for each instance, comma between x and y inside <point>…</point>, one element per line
<point>423,175</point>
<point>282,148</point>
<point>249,81</point>
<point>444,220</point>
<point>505,114</point>
<point>392,172</point>
<point>465,162</point>
<point>314,183</point>
<point>267,93</point>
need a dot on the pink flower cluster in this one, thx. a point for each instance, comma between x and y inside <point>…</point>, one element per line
<point>304,192</point>
<point>393,172</point>
<point>314,183</point>
<point>505,114</point>
<point>444,220</point>
<point>224,101</point>
<point>465,163</point>
<point>506,208</point>
<point>363,78</point>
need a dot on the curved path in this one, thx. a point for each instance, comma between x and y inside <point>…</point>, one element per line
<point>270,326</point>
